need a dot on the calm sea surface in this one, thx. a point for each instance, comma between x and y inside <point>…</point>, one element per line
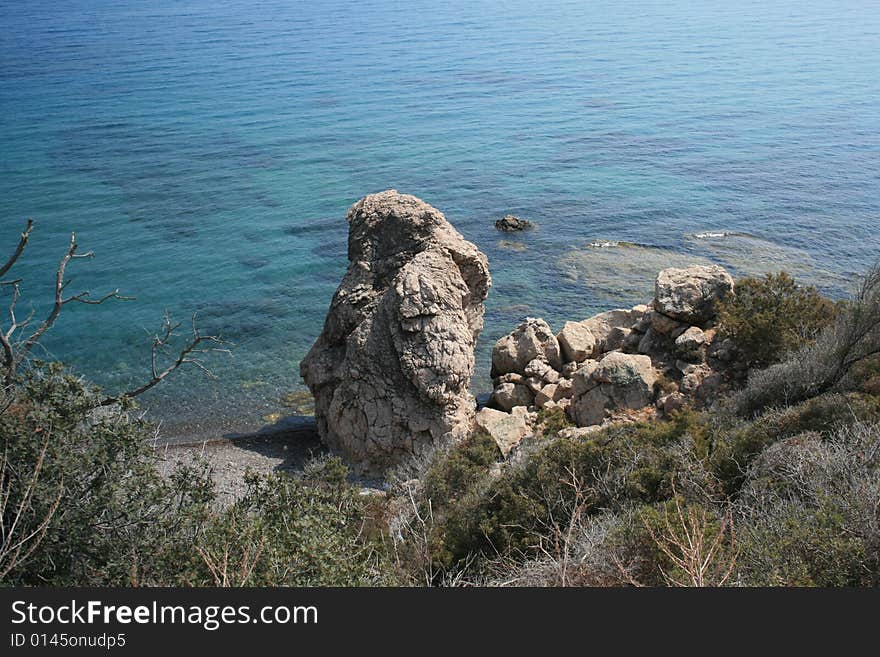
<point>207,152</point>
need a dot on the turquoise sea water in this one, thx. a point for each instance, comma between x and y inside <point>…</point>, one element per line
<point>207,152</point>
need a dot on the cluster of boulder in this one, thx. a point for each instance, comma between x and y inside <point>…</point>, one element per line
<point>617,364</point>
<point>390,371</point>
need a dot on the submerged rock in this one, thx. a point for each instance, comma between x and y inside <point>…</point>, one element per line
<point>510,223</point>
<point>391,368</point>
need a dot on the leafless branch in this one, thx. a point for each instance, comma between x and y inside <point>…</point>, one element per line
<point>691,544</point>
<point>25,236</point>
<point>14,353</point>
<point>20,531</point>
<point>188,355</point>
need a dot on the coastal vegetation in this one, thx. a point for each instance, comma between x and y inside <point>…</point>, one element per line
<point>776,482</point>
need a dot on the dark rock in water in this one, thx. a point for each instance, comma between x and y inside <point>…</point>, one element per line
<point>391,369</point>
<point>511,224</point>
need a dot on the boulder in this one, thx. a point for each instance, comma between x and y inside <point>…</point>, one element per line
<point>534,384</point>
<point>506,429</point>
<point>693,378</point>
<point>550,394</point>
<point>643,313</point>
<point>664,325</point>
<point>391,368</point>
<point>689,344</point>
<point>691,294</point>
<point>564,388</point>
<point>618,381</point>
<point>651,342</point>
<point>510,224</point>
<point>612,327</point>
<point>576,341</point>
<point>508,395</point>
<point>598,334</point>
<point>533,339</point>
<point>579,433</point>
<point>540,370</point>
<point>672,402</point>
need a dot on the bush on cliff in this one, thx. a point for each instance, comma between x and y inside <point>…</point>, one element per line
<point>558,480</point>
<point>841,357</point>
<point>646,504</point>
<point>734,449</point>
<point>771,316</point>
<point>84,503</point>
<point>311,531</point>
<point>84,485</point>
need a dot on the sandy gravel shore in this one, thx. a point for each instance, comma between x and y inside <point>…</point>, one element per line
<point>283,447</point>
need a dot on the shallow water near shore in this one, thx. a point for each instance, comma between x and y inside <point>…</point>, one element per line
<point>208,152</point>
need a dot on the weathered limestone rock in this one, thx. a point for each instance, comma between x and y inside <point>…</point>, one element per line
<point>579,433</point>
<point>672,402</point>
<point>618,381</point>
<point>689,344</point>
<point>540,370</point>
<point>390,370</point>
<point>693,378</point>
<point>643,313</point>
<point>530,340</point>
<point>652,342</point>
<point>534,384</point>
<point>564,388</point>
<point>550,394</point>
<point>601,333</point>
<point>663,324</point>
<point>576,341</point>
<point>691,294</point>
<point>506,429</point>
<point>508,395</point>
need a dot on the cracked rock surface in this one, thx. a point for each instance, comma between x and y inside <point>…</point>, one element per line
<point>391,368</point>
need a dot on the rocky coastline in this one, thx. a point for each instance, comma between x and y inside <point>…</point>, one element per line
<point>391,368</point>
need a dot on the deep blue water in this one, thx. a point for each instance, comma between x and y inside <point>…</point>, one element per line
<point>207,152</point>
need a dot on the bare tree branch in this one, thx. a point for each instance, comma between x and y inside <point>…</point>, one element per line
<point>25,236</point>
<point>14,348</point>
<point>15,354</point>
<point>20,532</point>
<point>188,355</point>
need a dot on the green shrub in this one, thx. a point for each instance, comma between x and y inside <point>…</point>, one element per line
<point>84,484</point>
<point>866,376</point>
<point>560,479</point>
<point>675,543</point>
<point>769,317</point>
<point>89,481</point>
<point>734,449</point>
<point>789,545</point>
<point>807,514</point>
<point>285,531</point>
<point>552,421</point>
